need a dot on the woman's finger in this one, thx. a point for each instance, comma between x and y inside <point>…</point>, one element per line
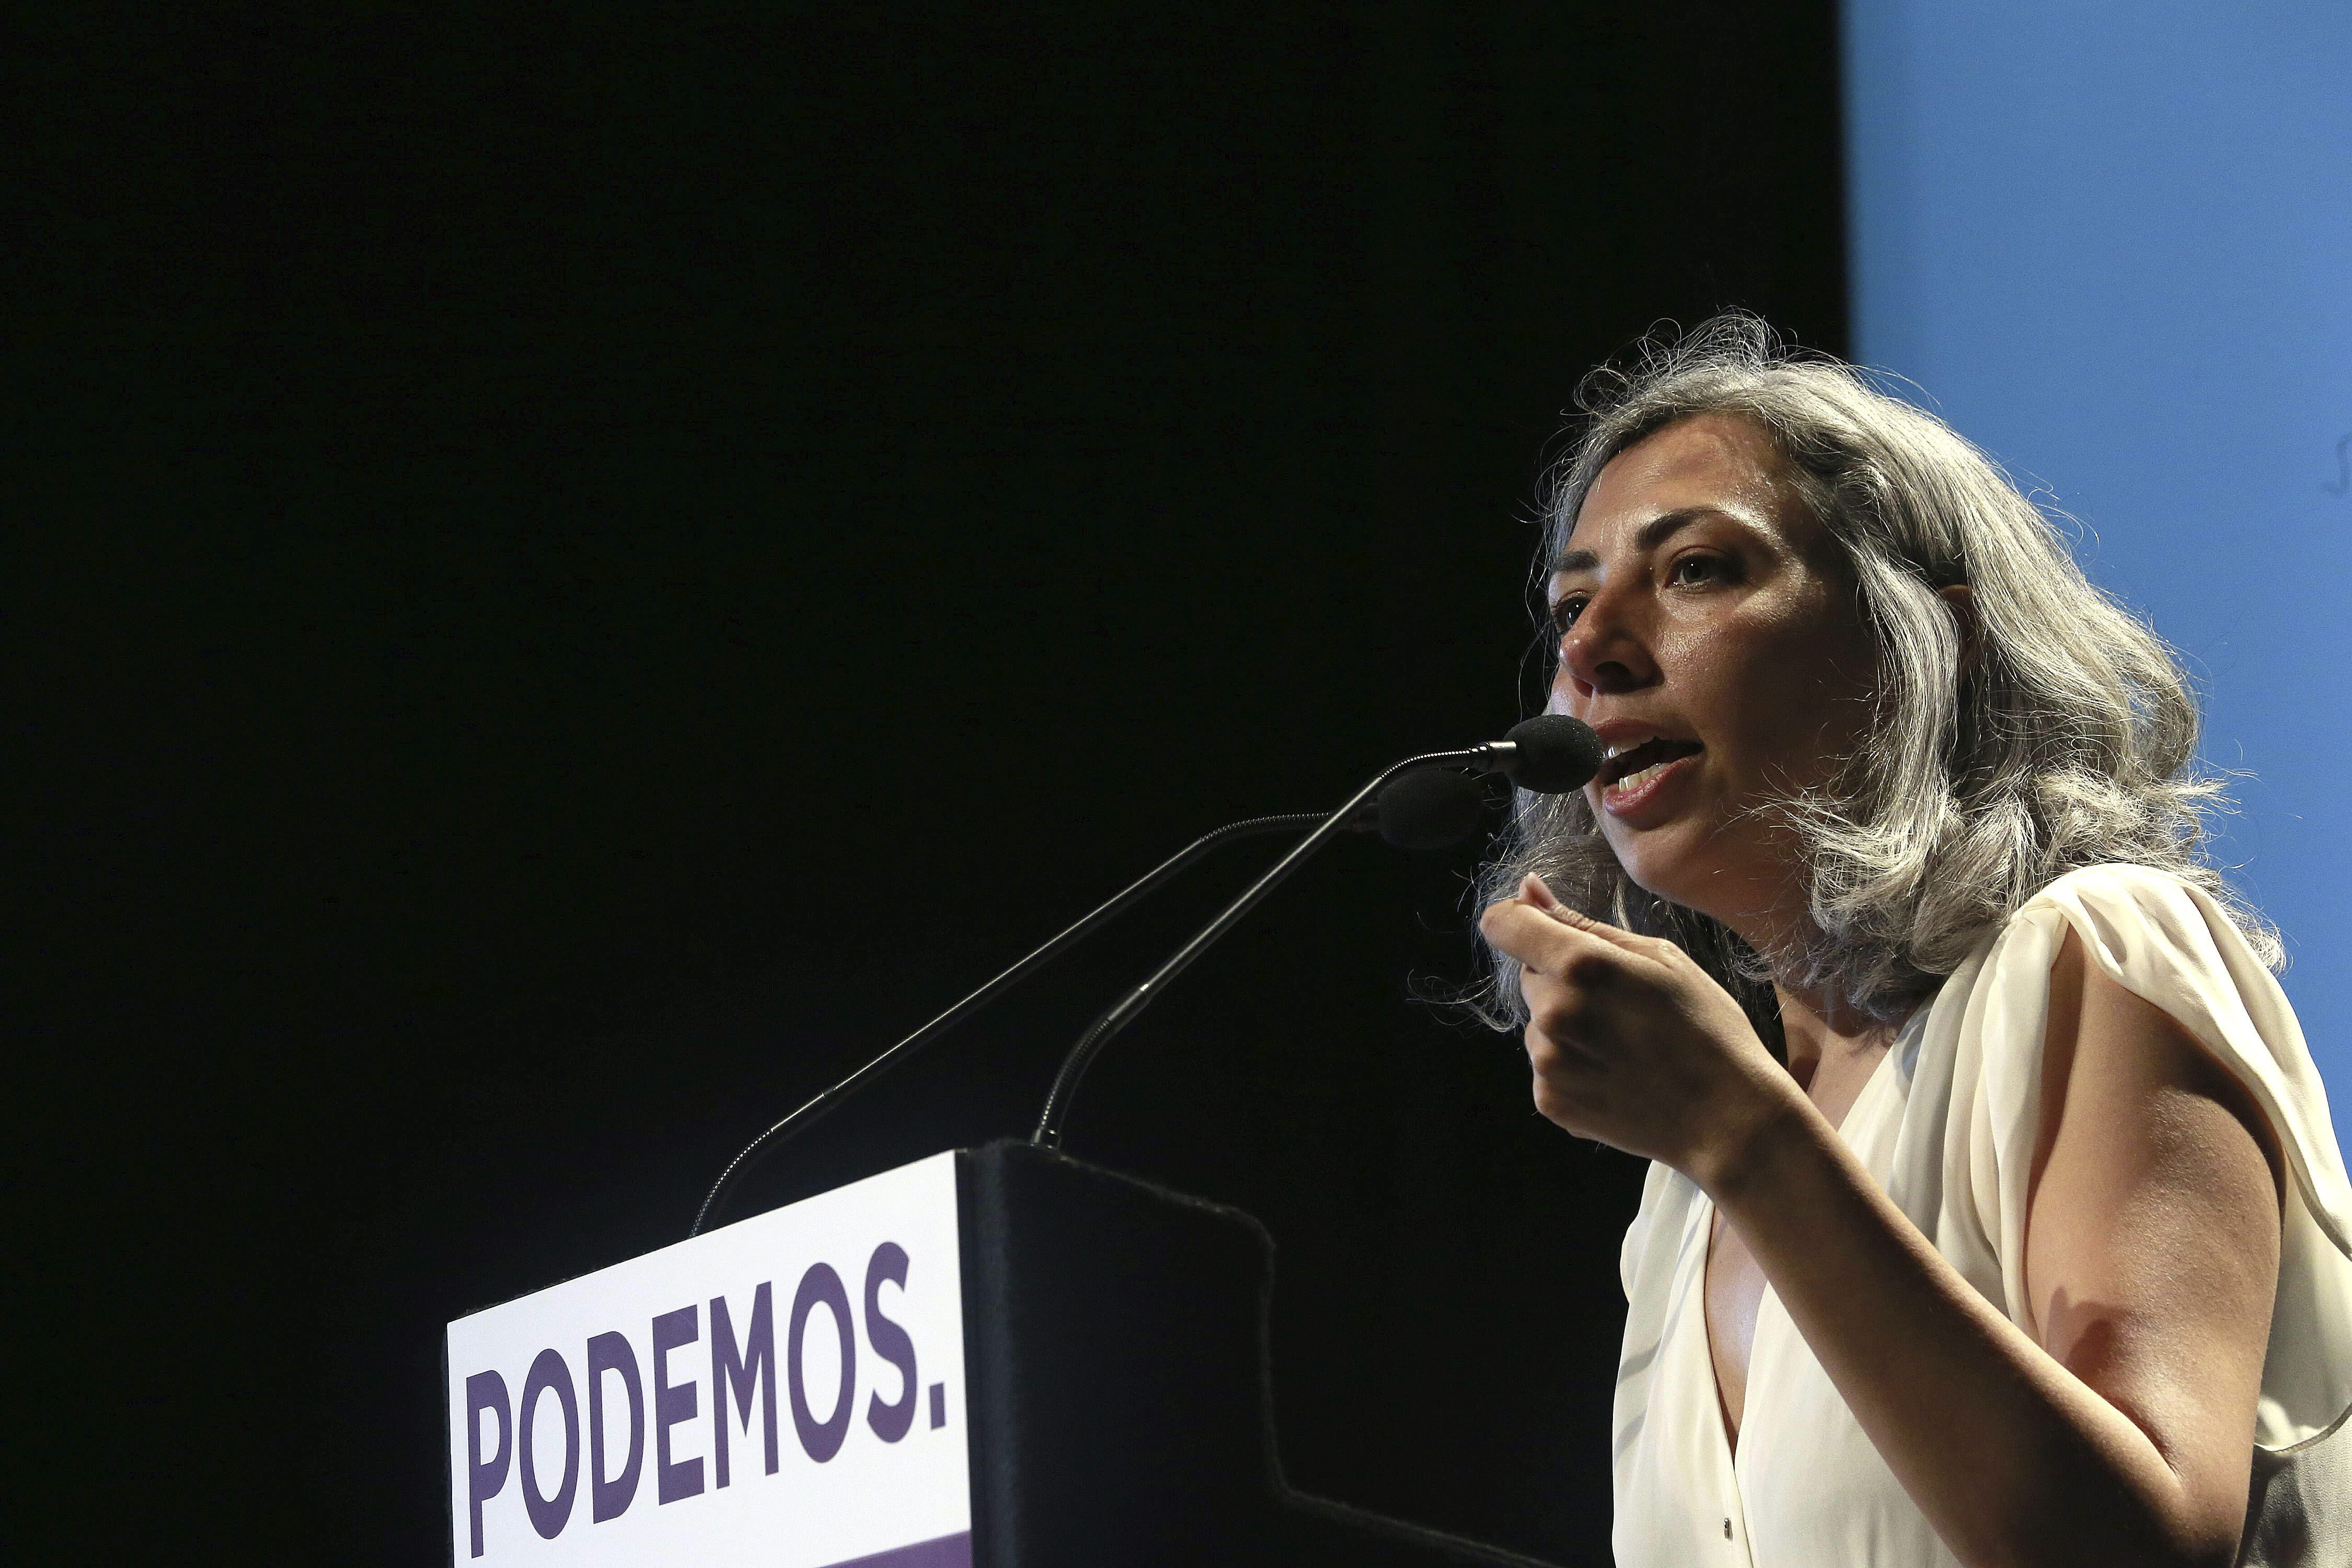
<point>1546,942</point>
<point>1533,890</point>
<point>1529,935</point>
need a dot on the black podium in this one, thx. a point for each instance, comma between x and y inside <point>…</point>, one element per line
<point>1116,1339</point>
<point>997,1358</point>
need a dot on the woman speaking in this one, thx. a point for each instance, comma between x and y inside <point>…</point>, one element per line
<point>1995,1217</point>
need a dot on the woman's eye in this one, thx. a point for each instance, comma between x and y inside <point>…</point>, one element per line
<point>1564,611</point>
<point>1690,569</point>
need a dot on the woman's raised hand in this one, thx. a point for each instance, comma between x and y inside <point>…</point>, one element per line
<point>1631,1042</point>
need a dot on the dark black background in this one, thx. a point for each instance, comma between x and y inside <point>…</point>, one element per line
<point>588,569</point>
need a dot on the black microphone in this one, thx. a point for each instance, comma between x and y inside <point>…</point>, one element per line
<point>1549,754</point>
<point>1430,808</point>
<point>1418,811</point>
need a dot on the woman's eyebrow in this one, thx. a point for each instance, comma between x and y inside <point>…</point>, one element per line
<point>1651,535</point>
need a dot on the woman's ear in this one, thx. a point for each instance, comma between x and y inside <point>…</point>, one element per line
<point>1962,602</point>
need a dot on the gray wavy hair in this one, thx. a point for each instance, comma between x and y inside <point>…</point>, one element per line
<point>2069,742</point>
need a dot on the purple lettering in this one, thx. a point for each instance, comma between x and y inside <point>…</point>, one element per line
<point>611,1498</point>
<point>739,1369</point>
<point>821,1440</point>
<point>549,1374</point>
<point>485,1391</point>
<point>672,1405</point>
<point>890,1342</point>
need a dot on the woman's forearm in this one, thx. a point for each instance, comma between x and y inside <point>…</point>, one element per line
<point>2013,1460</point>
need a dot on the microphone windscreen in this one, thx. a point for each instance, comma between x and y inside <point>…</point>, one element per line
<point>1556,754</point>
<point>1430,808</point>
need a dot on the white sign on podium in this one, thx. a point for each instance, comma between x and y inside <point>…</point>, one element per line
<point>786,1391</point>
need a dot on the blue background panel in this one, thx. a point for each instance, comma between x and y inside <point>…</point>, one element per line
<point>2113,244</point>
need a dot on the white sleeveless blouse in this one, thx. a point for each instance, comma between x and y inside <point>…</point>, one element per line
<point>1947,1125</point>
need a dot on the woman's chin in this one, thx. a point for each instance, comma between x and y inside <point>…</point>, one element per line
<point>1670,880</point>
<point>1670,864</point>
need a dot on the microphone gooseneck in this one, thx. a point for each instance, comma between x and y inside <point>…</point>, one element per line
<point>1427,816</point>
<point>799,1121</point>
<point>1549,754</point>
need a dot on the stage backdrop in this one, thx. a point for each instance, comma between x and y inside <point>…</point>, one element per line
<point>2112,243</point>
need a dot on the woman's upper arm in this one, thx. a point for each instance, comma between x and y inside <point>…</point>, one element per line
<point>2152,1239</point>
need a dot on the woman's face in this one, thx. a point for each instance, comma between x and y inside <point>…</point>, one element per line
<point>1709,631</point>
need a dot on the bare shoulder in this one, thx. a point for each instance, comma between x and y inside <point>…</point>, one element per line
<point>2152,1243</point>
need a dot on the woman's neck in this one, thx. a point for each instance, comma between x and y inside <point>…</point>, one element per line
<point>1821,1029</point>
<point>1818,1026</point>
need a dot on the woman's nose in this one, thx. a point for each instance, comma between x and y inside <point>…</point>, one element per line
<point>1604,651</point>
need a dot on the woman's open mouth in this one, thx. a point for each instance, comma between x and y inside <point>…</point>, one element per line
<point>1630,778</point>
